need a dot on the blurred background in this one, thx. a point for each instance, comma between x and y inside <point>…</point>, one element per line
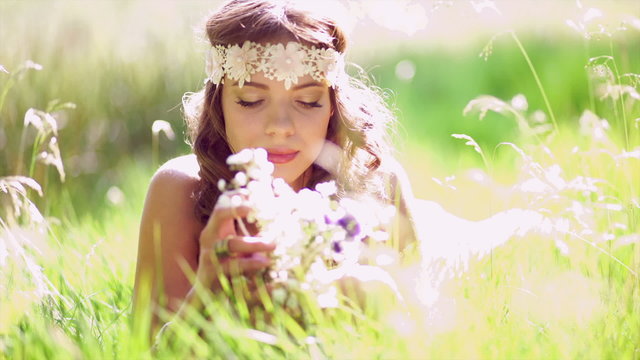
<point>126,63</point>
<point>84,83</point>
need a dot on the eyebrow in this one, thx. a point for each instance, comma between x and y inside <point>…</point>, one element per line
<point>306,85</point>
<point>265,87</point>
<point>254,84</point>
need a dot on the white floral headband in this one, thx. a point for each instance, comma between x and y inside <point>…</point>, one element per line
<point>276,61</point>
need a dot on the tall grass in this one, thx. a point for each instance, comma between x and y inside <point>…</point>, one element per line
<point>567,288</point>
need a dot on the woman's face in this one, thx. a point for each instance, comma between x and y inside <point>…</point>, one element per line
<point>290,124</point>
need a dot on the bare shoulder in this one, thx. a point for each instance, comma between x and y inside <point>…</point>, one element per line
<point>170,197</point>
<point>169,228</point>
<point>183,167</point>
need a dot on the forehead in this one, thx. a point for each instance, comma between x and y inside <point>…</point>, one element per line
<point>259,80</point>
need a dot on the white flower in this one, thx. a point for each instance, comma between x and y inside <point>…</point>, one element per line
<point>310,230</point>
<point>243,157</point>
<point>241,62</point>
<point>222,184</point>
<point>42,121</point>
<point>327,189</point>
<point>330,64</point>
<point>29,64</point>
<point>31,118</point>
<point>328,299</point>
<point>260,156</point>
<point>282,189</point>
<point>253,162</point>
<point>224,200</point>
<point>215,65</point>
<point>278,61</point>
<point>258,172</point>
<point>311,205</point>
<point>262,196</point>
<point>240,179</point>
<point>287,63</point>
<point>164,127</point>
<point>519,102</point>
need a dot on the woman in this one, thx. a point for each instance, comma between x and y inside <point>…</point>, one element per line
<point>276,81</point>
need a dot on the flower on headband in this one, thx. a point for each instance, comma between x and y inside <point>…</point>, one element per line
<point>277,61</point>
<point>287,63</point>
<point>328,63</point>
<point>241,62</point>
<point>214,67</point>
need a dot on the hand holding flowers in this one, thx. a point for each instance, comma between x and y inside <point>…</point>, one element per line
<point>316,238</point>
<point>248,252</point>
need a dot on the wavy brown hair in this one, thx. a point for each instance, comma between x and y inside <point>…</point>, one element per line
<point>359,121</point>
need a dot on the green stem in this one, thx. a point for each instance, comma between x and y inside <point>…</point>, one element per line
<point>23,136</point>
<point>5,90</point>
<point>45,185</point>
<point>621,100</point>
<point>486,164</point>
<point>537,78</point>
<point>592,98</point>
<point>34,154</point>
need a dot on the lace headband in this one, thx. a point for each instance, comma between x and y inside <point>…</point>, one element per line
<point>277,61</point>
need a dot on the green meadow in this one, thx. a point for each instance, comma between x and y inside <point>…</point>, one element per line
<point>513,107</point>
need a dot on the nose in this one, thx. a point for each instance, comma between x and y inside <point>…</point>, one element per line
<point>280,122</point>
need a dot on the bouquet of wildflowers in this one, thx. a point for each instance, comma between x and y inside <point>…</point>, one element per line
<point>315,232</point>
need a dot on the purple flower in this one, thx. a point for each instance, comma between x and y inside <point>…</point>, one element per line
<point>350,225</point>
<point>328,220</point>
<point>337,247</point>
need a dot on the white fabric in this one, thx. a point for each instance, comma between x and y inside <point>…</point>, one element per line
<point>282,62</point>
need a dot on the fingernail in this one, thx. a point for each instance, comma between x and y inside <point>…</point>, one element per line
<point>263,259</point>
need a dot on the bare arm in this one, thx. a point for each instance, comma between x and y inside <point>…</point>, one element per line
<point>168,243</point>
<point>175,250</point>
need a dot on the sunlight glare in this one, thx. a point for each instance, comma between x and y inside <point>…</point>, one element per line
<point>405,70</point>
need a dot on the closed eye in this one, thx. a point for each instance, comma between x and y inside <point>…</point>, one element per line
<point>248,104</point>
<point>310,105</point>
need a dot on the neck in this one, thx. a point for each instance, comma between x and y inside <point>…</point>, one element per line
<point>302,180</point>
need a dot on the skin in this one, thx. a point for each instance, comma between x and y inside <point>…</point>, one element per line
<point>175,253</point>
<point>287,123</point>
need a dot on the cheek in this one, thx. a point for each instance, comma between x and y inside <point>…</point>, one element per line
<point>316,135</point>
<point>233,127</point>
<point>322,127</point>
<point>232,124</point>
<point>236,129</point>
<point>238,134</point>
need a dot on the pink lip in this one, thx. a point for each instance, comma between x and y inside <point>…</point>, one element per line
<point>281,156</point>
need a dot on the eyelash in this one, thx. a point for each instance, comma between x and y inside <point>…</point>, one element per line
<point>250,104</point>
<point>310,105</point>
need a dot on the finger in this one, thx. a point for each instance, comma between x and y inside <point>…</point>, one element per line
<point>248,244</point>
<point>228,213</point>
<point>244,265</point>
<point>220,223</point>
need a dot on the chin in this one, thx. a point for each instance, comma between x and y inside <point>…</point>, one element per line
<point>288,178</point>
